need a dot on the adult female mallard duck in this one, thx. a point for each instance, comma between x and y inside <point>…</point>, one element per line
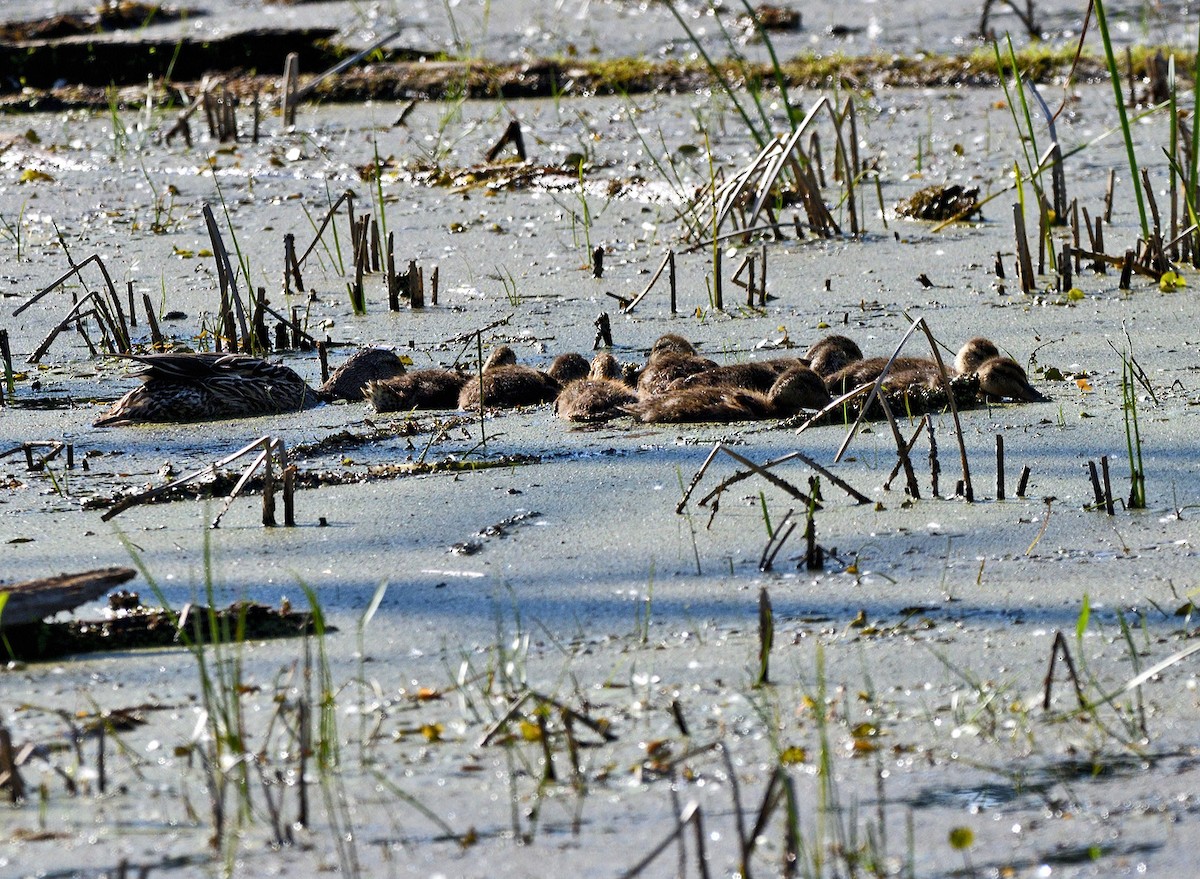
<point>798,388</point>
<point>197,387</point>
<point>599,397</point>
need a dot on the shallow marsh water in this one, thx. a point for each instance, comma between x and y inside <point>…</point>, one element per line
<point>928,634</point>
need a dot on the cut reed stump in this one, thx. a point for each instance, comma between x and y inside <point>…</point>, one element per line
<point>36,600</point>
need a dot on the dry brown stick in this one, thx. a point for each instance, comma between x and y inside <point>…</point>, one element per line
<point>156,336</point>
<point>908,446</point>
<point>1097,490</point>
<point>633,303</point>
<point>1023,480</point>
<point>76,311</point>
<point>208,469</point>
<point>910,475</point>
<point>225,266</point>
<point>774,462</point>
<point>969,490</point>
<point>345,196</point>
<point>1108,497</point>
<point>762,471</point>
<point>10,776</point>
<point>1060,647</point>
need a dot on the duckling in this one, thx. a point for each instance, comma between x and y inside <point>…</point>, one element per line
<point>197,387</point>
<point>420,389</point>
<point>599,397</point>
<point>1004,377</point>
<point>831,353</point>
<point>350,379</point>
<point>505,384</point>
<point>672,357</point>
<point>756,375</point>
<point>973,353</point>
<point>904,371</point>
<point>798,388</point>
<point>567,368</point>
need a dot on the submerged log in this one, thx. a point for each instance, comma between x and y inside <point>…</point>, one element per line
<point>35,600</point>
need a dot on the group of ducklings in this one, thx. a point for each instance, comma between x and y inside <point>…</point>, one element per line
<point>675,385</point>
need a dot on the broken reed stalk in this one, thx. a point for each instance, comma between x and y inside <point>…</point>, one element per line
<point>689,816</point>
<point>999,467</point>
<point>1059,648</point>
<point>935,466</point>
<point>265,446</point>
<point>872,392</point>
<point>668,258</point>
<point>347,196</point>
<point>6,356</point>
<point>1023,480</point>
<point>1097,489</point>
<point>603,326</point>
<point>760,470</point>
<point>910,475</point>
<point>776,541</point>
<point>766,638</point>
<point>1108,497</point>
<point>1024,260</point>
<point>114,326</point>
<point>814,553</point>
<point>10,775</point>
<point>227,279</point>
<point>908,447</point>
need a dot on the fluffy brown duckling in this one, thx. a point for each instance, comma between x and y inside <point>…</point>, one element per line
<point>349,381</point>
<point>904,372</point>
<point>599,397</point>
<point>567,368</point>
<point>756,375</point>
<point>671,358</point>
<point>505,384</point>
<point>419,389</point>
<point>798,388</point>
<point>826,356</point>
<point>1004,377</point>
<point>999,377</point>
<point>973,353</point>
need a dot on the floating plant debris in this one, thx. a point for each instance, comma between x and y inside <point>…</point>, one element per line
<point>939,203</point>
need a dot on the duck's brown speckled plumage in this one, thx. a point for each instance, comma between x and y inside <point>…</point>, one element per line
<point>754,375</point>
<point>798,388</point>
<point>505,384</point>
<point>199,387</point>
<point>599,397</point>
<point>831,353</point>
<point>350,379</point>
<point>671,358</point>
<point>419,389</point>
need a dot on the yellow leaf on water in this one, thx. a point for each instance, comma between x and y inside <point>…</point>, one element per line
<point>961,838</point>
<point>1171,281</point>
<point>1075,294</point>
<point>433,732</point>
<point>530,731</point>
<point>1084,384</point>
<point>33,175</point>
<point>793,755</point>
